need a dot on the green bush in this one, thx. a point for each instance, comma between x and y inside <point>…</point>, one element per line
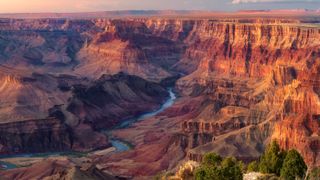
<point>272,159</point>
<point>214,167</point>
<point>231,169</point>
<point>253,167</point>
<point>274,162</point>
<point>212,159</point>
<point>293,166</point>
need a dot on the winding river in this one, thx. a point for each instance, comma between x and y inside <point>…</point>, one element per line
<point>124,146</point>
<point>118,144</point>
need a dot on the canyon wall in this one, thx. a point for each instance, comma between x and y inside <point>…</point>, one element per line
<point>112,99</point>
<point>245,82</point>
<point>263,80</point>
<point>42,134</point>
<point>149,46</point>
<point>48,113</point>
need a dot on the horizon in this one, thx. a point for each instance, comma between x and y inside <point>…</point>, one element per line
<point>84,6</point>
<point>167,10</point>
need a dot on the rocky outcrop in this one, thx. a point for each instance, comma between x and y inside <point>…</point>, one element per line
<point>111,99</point>
<point>48,135</point>
<point>41,135</point>
<point>33,118</point>
<point>300,132</point>
<point>55,169</point>
<point>258,75</point>
<point>27,95</point>
<point>64,111</point>
<point>282,108</point>
<point>252,49</point>
<point>95,47</point>
<point>144,48</point>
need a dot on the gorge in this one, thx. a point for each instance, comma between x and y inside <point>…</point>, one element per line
<point>236,84</point>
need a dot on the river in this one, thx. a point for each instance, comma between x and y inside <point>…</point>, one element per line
<point>124,146</point>
<point>119,145</point>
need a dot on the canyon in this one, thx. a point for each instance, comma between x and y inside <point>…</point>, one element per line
<point>240,82</point>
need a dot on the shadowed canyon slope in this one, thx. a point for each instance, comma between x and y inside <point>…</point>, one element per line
<point>244,82</point>
<point>43,113</point>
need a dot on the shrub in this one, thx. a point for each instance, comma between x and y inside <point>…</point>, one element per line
<point>253,167</point>
<point>214,167</point>
<point>231,169</point>
<point>272,159</point>
<point>293,166</point>
<point>200,174</point>
<point>211,159</point>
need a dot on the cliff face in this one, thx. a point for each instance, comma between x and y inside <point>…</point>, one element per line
<point>33,118</point>
<point>249,76</point>
<point>92,48</point>
<point>112,99</point>
<point>47,135</point>
<point>45,112</point>
<point>146,47</point>
<point>61,168</point>
<point>43,134</point>
<point>27,95</point>
<point>263,82</point>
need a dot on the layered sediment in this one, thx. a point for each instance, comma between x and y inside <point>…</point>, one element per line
<point>244,82</point>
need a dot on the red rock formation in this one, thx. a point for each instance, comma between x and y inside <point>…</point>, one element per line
<point>40,113</point>
<point>112,99</point>
<point>47,135</point>
<point>61,168</point>
<point>280,62</point>
<point>30,120</point>
<point>246,81</point>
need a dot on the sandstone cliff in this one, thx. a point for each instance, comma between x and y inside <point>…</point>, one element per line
<point>263,82</point>
<point>246,83</point>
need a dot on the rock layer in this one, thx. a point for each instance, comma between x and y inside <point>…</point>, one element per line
<point>112,99</point>
<point>258,76</point>
<point>47,113</point>
<point>245,81</point>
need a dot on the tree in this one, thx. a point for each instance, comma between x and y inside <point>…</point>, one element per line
<point>272,159</point>
<point>293,166</point>
<point>200,174</point>
<point>209,169</point>
<point>212,159</point>
<point>231,169</point>
<point>208,173</point>
<point>214,167</point>
<point>253,167</point>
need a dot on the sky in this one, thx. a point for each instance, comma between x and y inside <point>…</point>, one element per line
<point>27,6</point>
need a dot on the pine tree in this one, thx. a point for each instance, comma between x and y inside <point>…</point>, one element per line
<point>293,166</point>
<point>214,167</point>
<point>272,159</point>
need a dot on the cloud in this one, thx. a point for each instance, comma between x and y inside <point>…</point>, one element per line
<point>265,1</point>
